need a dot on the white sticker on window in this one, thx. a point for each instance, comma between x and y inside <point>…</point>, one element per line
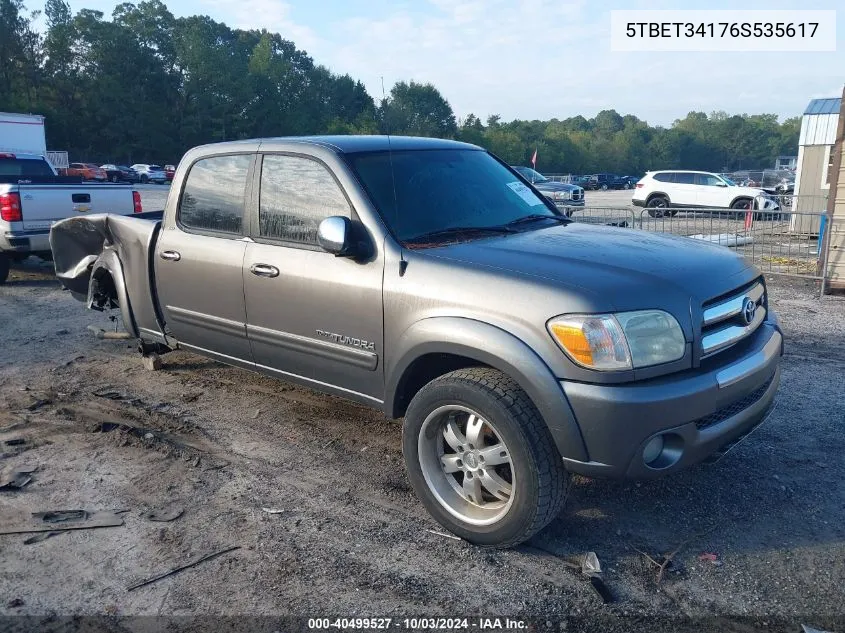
<point>525,193</point>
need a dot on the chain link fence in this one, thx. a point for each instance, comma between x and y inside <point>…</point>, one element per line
<point>780,242</point>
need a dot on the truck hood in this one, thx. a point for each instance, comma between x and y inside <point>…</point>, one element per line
<point>748,191</point>
<point>625,268</point>
<point>555,186</point>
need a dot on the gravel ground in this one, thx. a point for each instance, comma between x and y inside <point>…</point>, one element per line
<point>349,537</point>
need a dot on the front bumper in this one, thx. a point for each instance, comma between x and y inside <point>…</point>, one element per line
<point>569,205</point>
<point>699,413</point>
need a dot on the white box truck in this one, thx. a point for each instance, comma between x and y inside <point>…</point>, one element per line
<point>22,134</point>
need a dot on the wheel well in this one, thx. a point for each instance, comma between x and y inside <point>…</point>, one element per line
<point>103,291</point>
<point>654,195</point>
<point>422,371</point>
<point>738,198</point>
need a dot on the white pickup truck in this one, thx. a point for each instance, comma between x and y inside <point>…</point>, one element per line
<point>33,198</point>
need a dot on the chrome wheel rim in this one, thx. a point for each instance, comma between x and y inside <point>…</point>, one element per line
<point>466,465</point>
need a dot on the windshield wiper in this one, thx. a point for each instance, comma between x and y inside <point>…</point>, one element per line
<point>538,216</point>
<point>460,230</point>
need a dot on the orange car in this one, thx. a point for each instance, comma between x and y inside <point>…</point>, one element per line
<point>86,171</point>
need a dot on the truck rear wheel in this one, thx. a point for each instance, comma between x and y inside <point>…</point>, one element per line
<point>5,264</point>
<point>481,459</point>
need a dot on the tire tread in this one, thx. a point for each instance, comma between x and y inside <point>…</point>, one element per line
<point>552,477</point>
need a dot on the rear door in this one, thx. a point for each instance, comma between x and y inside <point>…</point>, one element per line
<point>684,190</point>
<point>310,315</point>
<point>199,259</point>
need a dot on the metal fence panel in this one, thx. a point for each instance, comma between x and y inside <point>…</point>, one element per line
<point>780,242</point>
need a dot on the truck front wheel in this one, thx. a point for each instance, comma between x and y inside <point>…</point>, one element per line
<point>5,263</point>
<point>481,459</point>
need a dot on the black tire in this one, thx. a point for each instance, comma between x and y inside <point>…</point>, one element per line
<point>144,179</point>
<point>604,187</point>
<point>5,264</point>
<point>742,203</point>
<point>658,207</point>
<point>539,479</point>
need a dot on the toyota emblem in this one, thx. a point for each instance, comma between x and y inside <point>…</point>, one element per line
<point>749,308</point>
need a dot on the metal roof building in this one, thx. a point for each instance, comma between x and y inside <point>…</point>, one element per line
<point>818,127</point>
<point>812,185</point>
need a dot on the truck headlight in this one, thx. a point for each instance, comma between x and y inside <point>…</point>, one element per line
<point>625,340</point>
<point>561,195</point>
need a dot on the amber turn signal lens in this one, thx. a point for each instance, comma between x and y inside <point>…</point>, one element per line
<point>574,341</point>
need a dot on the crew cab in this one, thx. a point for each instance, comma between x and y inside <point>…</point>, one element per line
<point>33,197</point>
<point>424,277</point>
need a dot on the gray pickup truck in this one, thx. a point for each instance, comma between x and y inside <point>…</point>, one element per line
<point>425,278</point>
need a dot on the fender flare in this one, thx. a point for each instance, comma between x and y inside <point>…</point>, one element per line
<point>109,264</point>
<point>657,194</point>
<point>496,348</point>
<point>744,197</point>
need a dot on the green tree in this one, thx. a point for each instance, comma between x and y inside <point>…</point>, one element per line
<point>419,110</point>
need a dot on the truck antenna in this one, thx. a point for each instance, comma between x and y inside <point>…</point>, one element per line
<point>403,264</point>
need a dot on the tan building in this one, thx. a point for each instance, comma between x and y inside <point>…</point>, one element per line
<point>815,153</point>
<point>835,233</point>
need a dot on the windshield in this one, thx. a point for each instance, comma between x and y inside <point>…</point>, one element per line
<point>729,182</point>
<point>155,168</point>
<point>442,189</point>
<point>24,167</point>
<point>530,175</point>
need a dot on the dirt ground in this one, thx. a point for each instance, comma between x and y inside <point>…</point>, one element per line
<point>348,538</point>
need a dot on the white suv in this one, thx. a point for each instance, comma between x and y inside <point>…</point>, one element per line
<point>150,173</point>
<point>664,192</point>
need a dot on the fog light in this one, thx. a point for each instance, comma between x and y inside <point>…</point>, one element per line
<point>653,449</point>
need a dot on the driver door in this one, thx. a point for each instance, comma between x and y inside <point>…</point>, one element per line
<point>311,316</point>
<point>710,191</point>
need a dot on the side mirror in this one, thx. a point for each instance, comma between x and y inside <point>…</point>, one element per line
<point>334,235</point>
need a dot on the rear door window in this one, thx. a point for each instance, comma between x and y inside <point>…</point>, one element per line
<point>682,178</point>
<point>213,197</point>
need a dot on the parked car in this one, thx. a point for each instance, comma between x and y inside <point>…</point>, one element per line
<point>120,173</point>
<point>605,182</point>
<point>627,182</point>
<point>581,181</point>
<point>664,192</point>
<point>170,171</point>
<point>86,171</point>
<point>425,279</point>
<point>564,196</point>
<point>150,173</point>
<point>33,197</point>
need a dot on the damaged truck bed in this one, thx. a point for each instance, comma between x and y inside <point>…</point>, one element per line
<point>104,260</point>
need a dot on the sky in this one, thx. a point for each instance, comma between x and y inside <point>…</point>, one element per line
<point>534,59</point>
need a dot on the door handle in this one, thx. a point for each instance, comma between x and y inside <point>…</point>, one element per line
<point>172,256</point>
<point>264,270</point>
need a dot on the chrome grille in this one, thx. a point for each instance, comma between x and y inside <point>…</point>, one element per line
<point>725,321</point>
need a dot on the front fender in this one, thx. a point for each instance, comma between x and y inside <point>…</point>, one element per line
<point>496,348</point>
<point>109,264</point>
